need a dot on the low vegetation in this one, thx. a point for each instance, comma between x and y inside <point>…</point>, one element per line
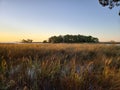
<point>59,67</point>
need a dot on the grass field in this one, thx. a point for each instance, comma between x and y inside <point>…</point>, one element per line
<point>59,67</point>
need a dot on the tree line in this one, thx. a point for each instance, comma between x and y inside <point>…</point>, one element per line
<point>72,39</point>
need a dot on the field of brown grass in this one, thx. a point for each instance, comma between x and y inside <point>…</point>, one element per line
<point>59,67</point>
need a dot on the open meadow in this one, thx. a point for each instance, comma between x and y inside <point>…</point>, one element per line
<point>59,67</point>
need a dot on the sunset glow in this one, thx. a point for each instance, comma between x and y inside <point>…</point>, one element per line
<point>38,20</point>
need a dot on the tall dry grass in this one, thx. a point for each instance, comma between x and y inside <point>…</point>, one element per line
<point>59,67</point>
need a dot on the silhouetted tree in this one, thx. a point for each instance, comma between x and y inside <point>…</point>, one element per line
<point>45,41</point>
<point>27,41</point>
<point>110,3</point>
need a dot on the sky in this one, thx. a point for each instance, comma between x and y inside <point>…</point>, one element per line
<point>40,19</point>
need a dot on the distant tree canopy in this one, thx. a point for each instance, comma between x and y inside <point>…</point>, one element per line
<point>110,3</point>
<point>45,41</point>
<point>73,39</point>
<point>27,41</point>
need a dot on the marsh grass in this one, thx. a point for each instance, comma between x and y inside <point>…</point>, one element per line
<point>59,67</point>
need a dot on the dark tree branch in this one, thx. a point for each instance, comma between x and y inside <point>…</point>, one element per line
<point>110,3</point>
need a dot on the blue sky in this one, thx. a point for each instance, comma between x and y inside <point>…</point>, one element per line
<point>40,19</point>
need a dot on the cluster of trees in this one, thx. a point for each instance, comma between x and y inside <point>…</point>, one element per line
<point>73,39</point>
<point>27,41</point>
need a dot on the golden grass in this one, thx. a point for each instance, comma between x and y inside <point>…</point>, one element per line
<point>59,67</point>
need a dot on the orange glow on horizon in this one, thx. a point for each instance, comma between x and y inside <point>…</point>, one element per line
<point>9,37</point>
